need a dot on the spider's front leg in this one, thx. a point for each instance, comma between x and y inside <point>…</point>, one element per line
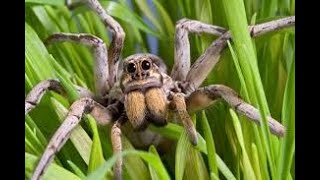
<point>182,61</point>
<point>118,35</point>
<point>34,96</point>
<point>197,73</point>
<point>192,77</point>
<point>178,105</point>
<point>77,110</point>
<point>117,146</point>
<point>205,96</point>
<point>102,67</point>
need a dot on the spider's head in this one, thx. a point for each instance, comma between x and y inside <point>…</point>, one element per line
<point>141,71</point>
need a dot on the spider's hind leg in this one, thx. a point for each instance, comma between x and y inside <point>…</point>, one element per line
<point>204,97</point>
<point>178,105</point>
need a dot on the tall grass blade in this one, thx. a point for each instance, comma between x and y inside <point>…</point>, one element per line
<point>288,116</point>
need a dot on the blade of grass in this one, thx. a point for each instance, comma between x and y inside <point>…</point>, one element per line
<point>96,155</point>
<point>210,144</point>
<point>52,173</point>
<point>255,160</point>
<point>247,167</point>
<point>134,165</point>
<point>288,116</point>
<point>243,45</point>
<point>35,51</point>
<point>46,2</point>
<point>183,147</point>
<point>76,170</point>
<point>150,158</point>
<point>163,15</point>
<point>174,131</point>
<point>153,173</point>
<point>224,169</point>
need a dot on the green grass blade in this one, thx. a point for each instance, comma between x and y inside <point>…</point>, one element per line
<point>210,144</point>
<point>35,51</point>
<point>243,45</point>
<point>96,155</point>
<point>150,158</point>
<point>174,131</point>
<point>239,72</point>
<point>34,135</point>
<point>255,159</point>
<point>33,142</point>
<point>188,163</point>
<point>247,166</point>
<point>164,16</point>
<point>288,143</point>
<point>182,150</point>
<point>153,173</point>
<point>53,172</point>
<point>46,2</point>
<point>134,165</point>
<point>224,169</point>
<point>76,170</point>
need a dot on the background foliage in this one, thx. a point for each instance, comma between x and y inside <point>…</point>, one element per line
<point>230,147</point>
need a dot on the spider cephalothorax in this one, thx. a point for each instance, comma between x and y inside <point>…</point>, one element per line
<point>141,91</point>
<point>145,99</point>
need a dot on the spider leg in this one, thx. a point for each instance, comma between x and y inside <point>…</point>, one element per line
<point>117,146</point>
<point>205,63</point>
<point>178,105</point>
<point>205,96</point>
<point>182,46</point>
<point>118,36</point>
<point>103,82</point>
<point>75,114</point>
<point>34,96</point>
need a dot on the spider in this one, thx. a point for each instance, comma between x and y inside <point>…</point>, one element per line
<point>138,89</point>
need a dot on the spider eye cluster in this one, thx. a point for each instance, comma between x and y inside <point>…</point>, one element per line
<point>131,68</point>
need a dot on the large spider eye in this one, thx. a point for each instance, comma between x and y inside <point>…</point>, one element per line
<point>145,65</point>
<point>131,67</point>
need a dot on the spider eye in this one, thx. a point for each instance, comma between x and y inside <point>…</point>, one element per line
<point>145,65</point>
<point>131,67</point>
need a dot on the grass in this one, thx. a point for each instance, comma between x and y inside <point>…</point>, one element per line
<point>261,70</point>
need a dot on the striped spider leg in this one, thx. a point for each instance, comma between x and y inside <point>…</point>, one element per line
<point>105,75</point>
<point>192,77</point>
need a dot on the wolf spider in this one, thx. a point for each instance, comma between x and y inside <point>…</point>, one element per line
<point>140,91</point>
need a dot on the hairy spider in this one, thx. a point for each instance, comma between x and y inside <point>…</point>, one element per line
<point>140,91</point>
